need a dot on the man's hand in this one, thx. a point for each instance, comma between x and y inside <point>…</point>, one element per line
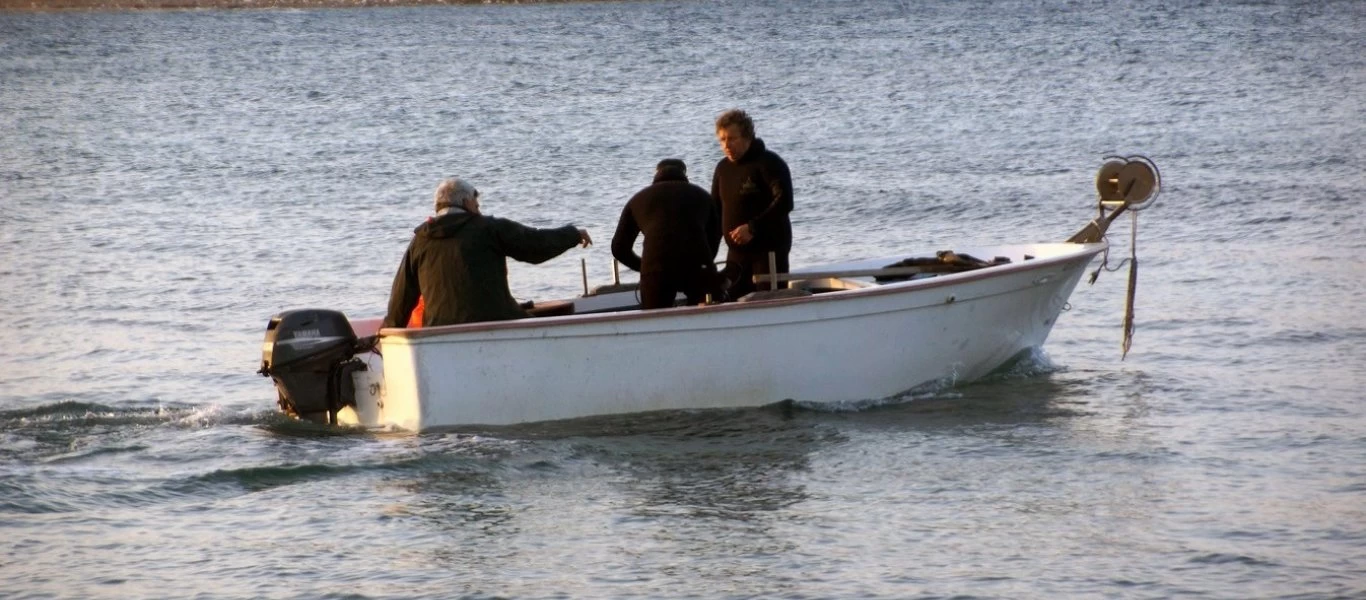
<point>584,239</point>
<point>741,234</point>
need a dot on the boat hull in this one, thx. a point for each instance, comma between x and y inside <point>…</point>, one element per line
<point>848,346</point>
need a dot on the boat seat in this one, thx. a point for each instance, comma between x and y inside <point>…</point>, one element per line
<point>823,285</point>
<point>767,295</point>
<point>614,288</point>
<point>551,308</point>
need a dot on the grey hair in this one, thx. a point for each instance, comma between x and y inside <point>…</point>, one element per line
<point>455,193</point>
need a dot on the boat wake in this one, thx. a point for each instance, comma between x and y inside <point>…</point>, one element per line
<point>1029,364</point>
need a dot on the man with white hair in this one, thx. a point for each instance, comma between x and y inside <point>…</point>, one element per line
<point>456,263</point>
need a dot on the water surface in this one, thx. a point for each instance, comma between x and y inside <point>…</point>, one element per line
<point>169,180</point>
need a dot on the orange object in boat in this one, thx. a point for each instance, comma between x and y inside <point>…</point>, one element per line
<point>415,318</point>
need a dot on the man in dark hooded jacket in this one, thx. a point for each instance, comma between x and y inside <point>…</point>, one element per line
<point>682,234</point>
<point>457,261</point>
<point>753,189</point>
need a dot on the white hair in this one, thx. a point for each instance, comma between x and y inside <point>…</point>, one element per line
<point>454,193</point>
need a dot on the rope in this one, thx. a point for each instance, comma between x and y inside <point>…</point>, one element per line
<point>1132,261</point>
<point>1133,286</point>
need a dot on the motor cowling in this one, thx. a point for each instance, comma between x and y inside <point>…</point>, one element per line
<point>310,355</point>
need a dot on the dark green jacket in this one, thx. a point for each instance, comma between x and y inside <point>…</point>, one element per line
<point>457,262</point>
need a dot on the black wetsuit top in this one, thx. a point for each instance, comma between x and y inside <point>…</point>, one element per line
<point>681,225</point>
<point>757,189</point>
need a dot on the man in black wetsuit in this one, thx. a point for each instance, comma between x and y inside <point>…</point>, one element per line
<point>457,261</point>
<point>753,189</point>
<point>682,234</point>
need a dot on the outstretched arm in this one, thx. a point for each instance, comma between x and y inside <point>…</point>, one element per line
<point>532,245</point>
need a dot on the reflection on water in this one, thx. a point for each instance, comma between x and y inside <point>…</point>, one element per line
<point>469,498</point>
<point>714,494</point>
<point>716,467</point>
<point>705,487</point>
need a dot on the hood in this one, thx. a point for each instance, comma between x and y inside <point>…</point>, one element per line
<point>445,225</point>
<point>670,175</point>
<point>756,148</point>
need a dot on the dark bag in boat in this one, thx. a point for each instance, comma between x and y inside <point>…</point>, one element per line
<point>944,261</point>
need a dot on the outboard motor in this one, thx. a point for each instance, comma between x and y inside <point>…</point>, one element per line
<point>310,354</point>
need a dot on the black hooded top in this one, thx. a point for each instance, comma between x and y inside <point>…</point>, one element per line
<point>457,263</point>
<point>757,189</point>
<point>681,226</point>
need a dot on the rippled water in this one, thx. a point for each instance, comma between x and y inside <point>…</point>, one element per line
<point>169,180</point>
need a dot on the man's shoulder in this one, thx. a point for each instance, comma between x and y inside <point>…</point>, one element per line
<point>664,188</point>
<point>771,156</point>
<point>680,188</point>
<point>484,225</point>
<point>643,195</point>
<point>496,222</point>
<point>772,164</point>
<point>442,226</point>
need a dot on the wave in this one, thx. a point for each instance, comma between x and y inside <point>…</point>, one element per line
<point>55,410</point>
<point>80,413</point>
<point>1029,364</point>
<point>254,479</point>
<point>1223,558</point>
<point>79,431</point>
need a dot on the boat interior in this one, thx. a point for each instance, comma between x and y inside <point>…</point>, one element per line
<point>619,297</point>
<point>623,296</point>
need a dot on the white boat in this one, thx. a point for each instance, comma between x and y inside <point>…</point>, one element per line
<point>850,332</point>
